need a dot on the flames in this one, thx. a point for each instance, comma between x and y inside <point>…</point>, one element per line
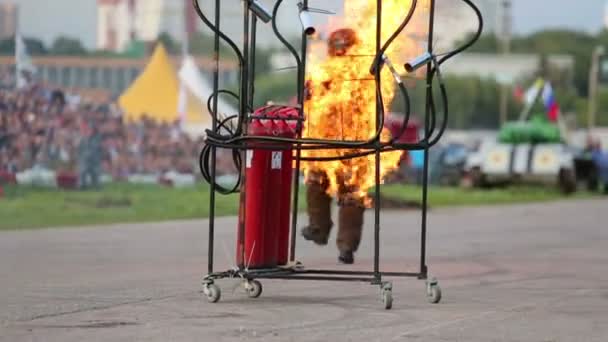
<point>342,103</point>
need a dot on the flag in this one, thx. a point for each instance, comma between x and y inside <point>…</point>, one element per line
<point>24,66</point>
<point>550,103</point>
<point>518,94</point>
<point>532,93</point>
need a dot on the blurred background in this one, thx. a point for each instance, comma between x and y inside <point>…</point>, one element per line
<point>109,97</point>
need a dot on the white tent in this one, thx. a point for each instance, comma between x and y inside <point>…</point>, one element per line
<point>196,85</point>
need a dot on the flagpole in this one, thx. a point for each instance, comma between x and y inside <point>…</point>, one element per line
<point>183,94</point>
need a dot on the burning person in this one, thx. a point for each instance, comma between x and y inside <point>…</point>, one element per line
<point>349,121</point>
<point>341,105</point>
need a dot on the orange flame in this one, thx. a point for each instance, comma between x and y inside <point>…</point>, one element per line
<point>342,105</point>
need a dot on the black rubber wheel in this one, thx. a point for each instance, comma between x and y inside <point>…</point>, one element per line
<point>434,294</point>
<point>567,181</point>
<point>254,289</point>
<point>477,178</point>
<point>213,293</point>
<point>387,299</point>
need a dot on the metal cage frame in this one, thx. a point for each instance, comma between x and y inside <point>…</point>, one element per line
<point>296,271</point>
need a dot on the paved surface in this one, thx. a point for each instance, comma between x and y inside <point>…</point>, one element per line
<point>520,273</point>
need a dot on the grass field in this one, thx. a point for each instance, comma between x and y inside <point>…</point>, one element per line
<point>27,208</point>
<point>441,197</point>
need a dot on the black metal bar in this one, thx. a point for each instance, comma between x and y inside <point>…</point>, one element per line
<point>318,278</point>
<point>301,70</point>
<point>360,273</point>
<point>287,274</point>
<point>267,117</point>
<point>377,199</point>
<point>216,80</point>
<point>425,175</point>
<point>252,60</point>
<point>244,102</point>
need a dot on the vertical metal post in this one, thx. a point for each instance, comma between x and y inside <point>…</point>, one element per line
<point>216,80</point>
<point>506,49</point>
<point>296,171</point>
<point>245,87</point>
<point>425,175</point>
<point>377,274</point>
<point>251,90</point>
<point>594,74</point>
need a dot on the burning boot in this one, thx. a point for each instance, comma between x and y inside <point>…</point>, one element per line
<point>350,229</point>
<point>319,209</point>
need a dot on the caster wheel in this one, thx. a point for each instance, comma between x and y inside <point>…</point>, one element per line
<point>387,296</point>
<point>254,289</point>
<point>434,294</point>
<point>387,300</point>
<point>212,292</point>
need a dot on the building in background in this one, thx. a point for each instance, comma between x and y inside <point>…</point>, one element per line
<point>9,14</point>
<point>114,24</point>
<point>105,77</point>
<point>606,15</point>
<point>121,21</point>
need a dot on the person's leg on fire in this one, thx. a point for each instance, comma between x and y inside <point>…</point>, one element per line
<point>318,204</point>
<point>350,215</point>
<point>350,220</point>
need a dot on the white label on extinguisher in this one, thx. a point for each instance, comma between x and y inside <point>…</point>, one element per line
<point>277,160</point>
<point>249,159</point>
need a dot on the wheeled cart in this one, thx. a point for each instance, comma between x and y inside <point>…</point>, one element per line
<point>239,134</point>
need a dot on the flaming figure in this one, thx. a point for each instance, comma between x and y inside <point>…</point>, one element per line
<point>342,96</point>
<point>341,105</point>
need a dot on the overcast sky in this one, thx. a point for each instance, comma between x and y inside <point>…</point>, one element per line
<point>49,18</point>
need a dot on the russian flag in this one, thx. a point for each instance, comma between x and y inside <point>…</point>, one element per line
<point>550,103</point>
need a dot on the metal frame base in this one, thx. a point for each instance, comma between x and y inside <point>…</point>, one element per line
<point>297,271</point>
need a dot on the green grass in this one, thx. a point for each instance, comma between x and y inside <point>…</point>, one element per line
<point>37,208</point>
<point>27,208</point>
<point>443,196</point>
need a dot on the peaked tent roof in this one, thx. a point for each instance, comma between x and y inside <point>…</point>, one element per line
<point>155,94</point>
<point>191,77</point>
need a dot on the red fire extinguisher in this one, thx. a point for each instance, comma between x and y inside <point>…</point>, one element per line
<point>264,241</point>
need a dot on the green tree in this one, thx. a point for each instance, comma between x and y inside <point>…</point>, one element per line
<point>34,46</point>
<point>580,45</point>
<point>276,87</point>
<point>202,44</point>
<point>172,45</point>
<point>66,46</point>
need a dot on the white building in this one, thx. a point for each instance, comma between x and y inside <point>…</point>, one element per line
<point>119,21</point>
<point>606,15</point>
<point>9,12</point>
<point>114,25</point>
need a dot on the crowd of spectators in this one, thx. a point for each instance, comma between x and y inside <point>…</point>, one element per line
<point>46,128</point>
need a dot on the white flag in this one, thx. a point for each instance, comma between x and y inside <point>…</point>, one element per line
<point>24,65</point>
<point>532,93</point>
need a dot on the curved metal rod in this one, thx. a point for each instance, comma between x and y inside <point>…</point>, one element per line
<point>293,52</point>
<point>376,68</point>
<point>228,41</point>
<point>240,57</point>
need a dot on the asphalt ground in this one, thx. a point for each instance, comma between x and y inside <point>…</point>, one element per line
<point>516,273</point>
